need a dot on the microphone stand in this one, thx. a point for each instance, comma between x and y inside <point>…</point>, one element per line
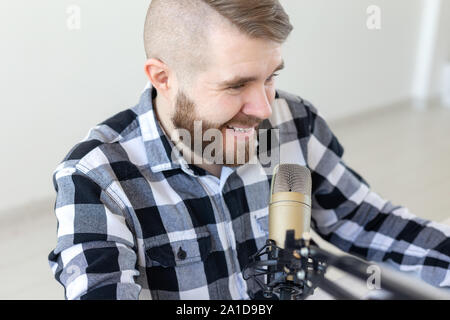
<point>399,285</point>
<point>293,273</point>
<point>290,273</point>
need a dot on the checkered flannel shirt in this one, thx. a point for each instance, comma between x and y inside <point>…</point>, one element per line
<point>133,223</point>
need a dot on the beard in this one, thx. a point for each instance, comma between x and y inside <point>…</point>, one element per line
<point>233,153</point>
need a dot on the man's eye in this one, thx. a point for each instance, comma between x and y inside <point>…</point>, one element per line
<point>272,77</point>
<point>236,87</point>
<point>240,86</point>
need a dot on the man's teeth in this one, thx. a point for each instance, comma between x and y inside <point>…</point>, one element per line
<point>241,129</point>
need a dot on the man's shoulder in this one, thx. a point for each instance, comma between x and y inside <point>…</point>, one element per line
<point>289,106</point>
<point>116,129</point>
<point>294,100</point>
<point>103,145</point>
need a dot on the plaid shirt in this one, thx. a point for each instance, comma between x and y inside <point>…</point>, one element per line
<point>133,222</point>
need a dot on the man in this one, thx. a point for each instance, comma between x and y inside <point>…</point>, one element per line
<point>139,216</point>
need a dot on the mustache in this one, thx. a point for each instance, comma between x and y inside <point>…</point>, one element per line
<point>249,121</point>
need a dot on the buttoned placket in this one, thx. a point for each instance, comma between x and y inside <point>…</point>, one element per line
<point>229,233</point>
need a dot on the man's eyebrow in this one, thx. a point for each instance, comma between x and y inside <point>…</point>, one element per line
<point>280,67</point>
<point>242,80</point>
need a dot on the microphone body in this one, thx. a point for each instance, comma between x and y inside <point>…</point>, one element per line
<point>289,211</point>
<point>290,203</point>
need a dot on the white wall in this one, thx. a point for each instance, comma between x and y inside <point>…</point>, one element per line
<point>341,65</point>
<point>442,52</point>
<point>58,83</point>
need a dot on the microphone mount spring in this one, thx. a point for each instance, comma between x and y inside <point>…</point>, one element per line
<point>290,273</point>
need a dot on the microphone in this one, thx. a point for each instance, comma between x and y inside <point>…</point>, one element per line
<point>296,266</point>
<point>290,203</point>
<point>289,215</point>
<point>290,270</point>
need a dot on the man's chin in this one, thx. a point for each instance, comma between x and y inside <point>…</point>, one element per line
<point>234,165</point>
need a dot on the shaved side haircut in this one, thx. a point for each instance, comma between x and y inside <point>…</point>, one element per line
<point>177,31</point>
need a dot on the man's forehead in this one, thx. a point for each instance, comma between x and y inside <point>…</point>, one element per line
<point>232,54</point>
<point>229,44</point>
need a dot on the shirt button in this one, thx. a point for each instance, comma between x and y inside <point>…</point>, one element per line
<point>181,254</point>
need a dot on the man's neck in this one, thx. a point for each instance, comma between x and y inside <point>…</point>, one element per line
<point>160,107</point>
<point>214,169</point>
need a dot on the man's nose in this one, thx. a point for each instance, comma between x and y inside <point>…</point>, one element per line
<point>258,104</point>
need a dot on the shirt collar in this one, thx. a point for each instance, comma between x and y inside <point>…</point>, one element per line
<point>161,152</point>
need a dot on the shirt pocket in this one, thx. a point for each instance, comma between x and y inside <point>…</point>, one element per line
<point>179,253</point>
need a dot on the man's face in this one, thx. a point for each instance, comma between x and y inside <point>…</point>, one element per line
<point>234,95</point>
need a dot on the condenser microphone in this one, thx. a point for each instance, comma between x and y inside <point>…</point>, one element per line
<point>294,267</point>
<point>290,203</point>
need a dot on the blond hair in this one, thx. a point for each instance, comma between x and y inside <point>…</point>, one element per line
<point>176,31</point>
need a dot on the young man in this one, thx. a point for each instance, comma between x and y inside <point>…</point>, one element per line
<point>145,213</point>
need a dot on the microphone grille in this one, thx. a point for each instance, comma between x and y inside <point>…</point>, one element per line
<point>292,178</point>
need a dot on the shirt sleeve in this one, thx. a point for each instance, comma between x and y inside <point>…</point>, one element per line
<point>348,214</point>
<point>95,255</point>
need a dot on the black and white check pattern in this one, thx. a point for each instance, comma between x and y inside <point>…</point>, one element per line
<point>135,223</point>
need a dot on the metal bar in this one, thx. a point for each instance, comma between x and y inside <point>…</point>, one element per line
<point>336,291</point>
<point>402,286</point>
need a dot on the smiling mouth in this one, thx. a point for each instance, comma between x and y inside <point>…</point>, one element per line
<point>241,130</point>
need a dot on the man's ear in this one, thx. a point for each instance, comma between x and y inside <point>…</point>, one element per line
<point>160,76</point>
